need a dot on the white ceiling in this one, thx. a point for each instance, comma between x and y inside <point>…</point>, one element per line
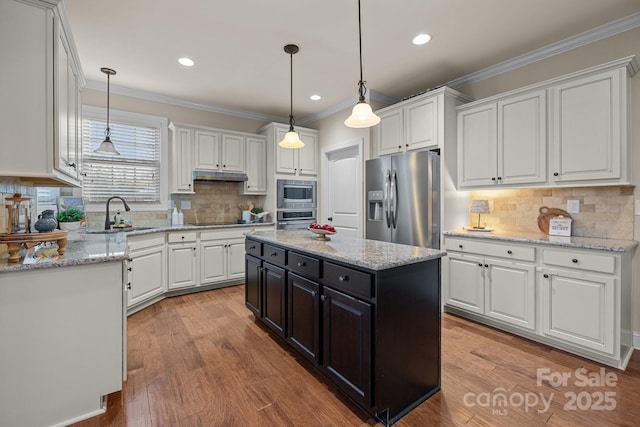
<point>241,64</point>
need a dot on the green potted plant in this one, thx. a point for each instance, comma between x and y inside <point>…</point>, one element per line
<point>70,219</point>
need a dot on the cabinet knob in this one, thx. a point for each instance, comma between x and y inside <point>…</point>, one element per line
<point>546,276</point>
<point>313,293</point>
<point>486,265</point>
<point>129,286</point>
<point>556,174</point>
<point>302,264</point>
<point>406,145</point>
<point>460,246</point>
<point>189,185</point>
<point>343,278</point>
<point>575,260</point>
<point>493,178</point>
<point>510,252</point>
<point>499,178</point>
<point>224,166</point>
<point>399,146</point>
<point>72,165</point>
<point>323,297</point>
<point>217,165</point>
<point>479,264</point>
<point>129,269</point>
<point>182,237</point>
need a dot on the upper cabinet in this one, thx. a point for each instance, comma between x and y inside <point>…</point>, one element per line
<point>503,142</point>
<point>415,123</point>
<point>569,131</point>
<point>40,105</point>
<point>299,161</point>
<point>217,150</point>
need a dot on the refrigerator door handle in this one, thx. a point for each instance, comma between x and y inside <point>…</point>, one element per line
<point>394,194</point>
<point>386,202</point>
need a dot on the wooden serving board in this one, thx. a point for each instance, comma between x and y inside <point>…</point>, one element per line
<point>545,217</point>
<point>14,241</point>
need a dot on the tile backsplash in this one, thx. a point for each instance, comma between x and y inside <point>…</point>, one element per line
<point>605,212</point>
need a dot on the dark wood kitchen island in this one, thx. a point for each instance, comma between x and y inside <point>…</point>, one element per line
<point>365,313</point>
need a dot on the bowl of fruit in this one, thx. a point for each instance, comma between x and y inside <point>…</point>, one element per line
<point>322,232</point>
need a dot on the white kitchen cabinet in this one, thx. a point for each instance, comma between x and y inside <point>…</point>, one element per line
<point>503,142</point>
<point>589,132</point>
<point>62,335</point>
<point>40,86</point>
<point>233,152</point>
<point>299,161</point>
<point>181,162</point>
<point>409,125</point>
<point>182,260</point>
<point>147,278</point>
<point>207,150</point>
<point>222,255</point>
<point>499,288</point>
<point>568,131</point>
<point>417,123</point>
<point>575,299</point>
<point>256,154</point>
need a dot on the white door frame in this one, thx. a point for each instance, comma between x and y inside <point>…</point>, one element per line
<point>326,151</point>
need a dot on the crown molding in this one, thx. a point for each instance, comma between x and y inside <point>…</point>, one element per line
<point>596,34</point>
<point>599,33</point>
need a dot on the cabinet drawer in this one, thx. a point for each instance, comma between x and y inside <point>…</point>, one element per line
<point>304,265</point>
<point>144,242</point>
<point>189,236</point>
<point>221,234</point>
<point>580,260</point>
<point>349,280</point>
<point>274,255</point>
<point>251,247</point>
<point>503,250</point>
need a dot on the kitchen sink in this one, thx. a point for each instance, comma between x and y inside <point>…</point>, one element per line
<point>118,230</point>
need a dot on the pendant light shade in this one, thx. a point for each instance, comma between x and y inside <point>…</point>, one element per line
<point>362,116</point>
<point>291,139</point>
<point>106,146</point>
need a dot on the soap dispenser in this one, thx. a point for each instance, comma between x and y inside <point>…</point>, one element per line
<point>175,217</point>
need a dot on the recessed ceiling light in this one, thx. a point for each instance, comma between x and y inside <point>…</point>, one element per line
<point>421,39</point>
<point>315,97</point>
<point>187,62</point>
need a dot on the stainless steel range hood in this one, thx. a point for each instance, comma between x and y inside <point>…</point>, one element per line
<point>219,176</point>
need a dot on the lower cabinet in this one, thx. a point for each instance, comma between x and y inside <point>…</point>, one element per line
<point>346,324</point>
<point>571,298</point>
<point>221,256</point>
<point>182,260</point>
<point>326,311</point>
<point>147,266</point>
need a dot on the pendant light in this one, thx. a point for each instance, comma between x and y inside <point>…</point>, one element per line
<point>291,139</point>
<point>362,116</point>
<point>107,147</point>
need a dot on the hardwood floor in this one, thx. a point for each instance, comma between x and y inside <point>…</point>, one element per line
<point>201,360</point>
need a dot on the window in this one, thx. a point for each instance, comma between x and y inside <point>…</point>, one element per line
<point>138,174</point>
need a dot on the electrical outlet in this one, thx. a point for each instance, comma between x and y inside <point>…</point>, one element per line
<point>185,204</point>
<point>573,206</point>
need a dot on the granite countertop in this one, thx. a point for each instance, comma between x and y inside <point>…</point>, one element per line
<point>95,246</point>
<point>370,254</point>
<point>613,245</point>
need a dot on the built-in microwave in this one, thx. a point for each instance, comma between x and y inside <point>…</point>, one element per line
<point>295,194</point>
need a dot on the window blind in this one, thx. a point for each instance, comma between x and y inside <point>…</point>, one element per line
<point>133,175</point>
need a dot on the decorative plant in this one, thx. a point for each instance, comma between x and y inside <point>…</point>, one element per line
<point>70,215</point>
<point>256,210</point>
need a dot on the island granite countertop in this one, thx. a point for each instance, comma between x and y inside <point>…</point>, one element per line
<point>370,254</point>
<point>613,245</point>
<point>96,246</point>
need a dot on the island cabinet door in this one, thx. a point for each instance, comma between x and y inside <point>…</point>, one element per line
<point>274,286</point>
<point>253,285</point>
<point>347,344</point>
<point>304,316</point>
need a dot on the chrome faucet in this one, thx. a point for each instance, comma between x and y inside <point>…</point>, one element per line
<point>107,221</point>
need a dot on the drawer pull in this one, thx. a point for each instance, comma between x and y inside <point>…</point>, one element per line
<point>274,254</point>
<point>575,260</point>
<point>343,278</point>
<point>252,247</point>
<point>460,246</point>
<point>546,276</point>
<point>302,264</point>
<point>510,252</point>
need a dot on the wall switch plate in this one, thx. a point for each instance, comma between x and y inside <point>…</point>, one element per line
<point>573,206</point>
<point>185,204</point>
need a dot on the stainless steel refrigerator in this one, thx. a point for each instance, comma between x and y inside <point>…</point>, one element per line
<point>403,199</point>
